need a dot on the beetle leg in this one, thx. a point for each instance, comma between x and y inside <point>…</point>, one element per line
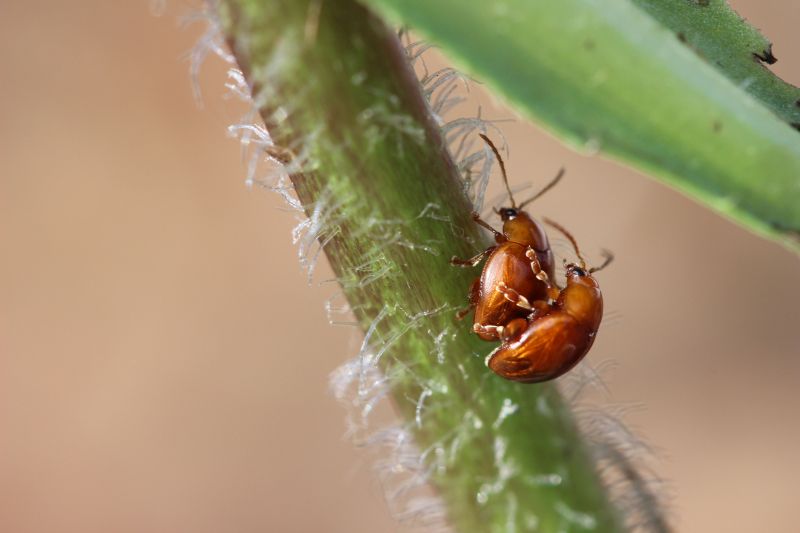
<point>474,294</point>
<point>538,271</point>
<point>464,312</point>
<point>499,237</point>
<point>472,261</point>
<point>488,329</point>
<point>513,329</point>
<point>540,274</point>
<point>513,296</point>
<point>540,308</point>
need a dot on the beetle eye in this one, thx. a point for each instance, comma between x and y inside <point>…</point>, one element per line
<point>507,213</point>
<point>575,269</point>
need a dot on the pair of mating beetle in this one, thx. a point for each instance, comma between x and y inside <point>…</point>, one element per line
<point>544,329</point>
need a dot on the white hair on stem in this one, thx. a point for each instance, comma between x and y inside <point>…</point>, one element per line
<point>359,383</point>
<point>403,469</point>
<point>210,43</point>
<point>623,460</point>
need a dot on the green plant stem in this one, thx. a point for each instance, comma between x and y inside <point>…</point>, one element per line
<point>607,76</point>
<point>334,90</point>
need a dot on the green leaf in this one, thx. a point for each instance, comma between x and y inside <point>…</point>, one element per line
<point>607,76</point>
<point>723,39</point>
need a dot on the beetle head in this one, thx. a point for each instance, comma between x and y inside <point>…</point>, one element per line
<point>508,213</point>
<point>576,270</point>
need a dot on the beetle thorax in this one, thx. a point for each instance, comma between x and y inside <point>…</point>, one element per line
<point>583,300</point>
<point>524,230</point>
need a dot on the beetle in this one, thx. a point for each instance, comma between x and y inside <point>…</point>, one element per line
<point>508,268</point>
<point>558,333</point>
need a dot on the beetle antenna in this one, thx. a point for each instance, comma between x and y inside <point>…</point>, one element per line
<point>545,188</point>
<point>502,166</point>
<point>569,236</point>
<point>609,256</point>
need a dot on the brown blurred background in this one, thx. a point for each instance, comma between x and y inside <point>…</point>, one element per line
<point>150,383</point>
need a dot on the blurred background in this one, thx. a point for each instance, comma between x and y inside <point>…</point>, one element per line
<point>164,363</point>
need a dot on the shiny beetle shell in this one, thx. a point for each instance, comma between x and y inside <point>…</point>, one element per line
<point>508,264</point>
<point>558,334</point>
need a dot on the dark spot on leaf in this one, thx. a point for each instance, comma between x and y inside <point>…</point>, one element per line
<point>795,125</point>
<point>716,126</point>
<point>797,103</point>
<point>588,44</point>
<point>766,56</point>
<point>702,2</point>
<point>683,38</point>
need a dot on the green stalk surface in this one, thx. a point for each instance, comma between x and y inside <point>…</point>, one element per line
<point>334,89</point>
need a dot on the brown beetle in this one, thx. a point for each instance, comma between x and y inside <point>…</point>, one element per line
<point>557,334</point>
<point>508,268</point>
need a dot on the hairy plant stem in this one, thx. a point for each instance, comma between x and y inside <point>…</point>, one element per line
<point>334,89</point>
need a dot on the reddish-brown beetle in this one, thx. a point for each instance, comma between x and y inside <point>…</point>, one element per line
<point>508,268</point>
<point>557,333</point>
